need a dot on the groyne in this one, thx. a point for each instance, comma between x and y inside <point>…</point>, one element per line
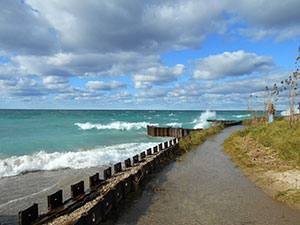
<point>91,205</point>
<point>169,131</point>
<point>226,123</point>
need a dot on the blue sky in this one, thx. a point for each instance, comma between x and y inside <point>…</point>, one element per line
<point>165,54</point>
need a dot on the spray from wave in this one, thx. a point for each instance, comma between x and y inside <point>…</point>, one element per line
<point>201,122</point>
<point>115,125</point>
<point>101,156</point>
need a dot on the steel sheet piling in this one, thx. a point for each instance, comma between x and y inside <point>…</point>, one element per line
<point>29,215</point>
<point>55,200</point>
<point>77,189</point>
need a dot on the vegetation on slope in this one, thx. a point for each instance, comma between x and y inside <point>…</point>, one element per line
<point>197,137</point>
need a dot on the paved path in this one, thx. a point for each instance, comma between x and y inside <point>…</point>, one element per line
<point>205,188</point>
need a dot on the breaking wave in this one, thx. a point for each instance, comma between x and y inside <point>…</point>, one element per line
<point>115,125</point>
<point>101,156</point>
<point>241,116</point>
<point>174,124</point>
<point>201,122</point>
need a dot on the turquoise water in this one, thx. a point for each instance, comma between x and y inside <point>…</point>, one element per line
<point>32,140</point>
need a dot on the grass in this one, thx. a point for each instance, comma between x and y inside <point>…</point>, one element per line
<point>196,138</point>
<point>278,136</point>
<point>232,146</point>
<point>290,196</point>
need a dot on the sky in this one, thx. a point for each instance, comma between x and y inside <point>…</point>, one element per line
<point>139,54</point>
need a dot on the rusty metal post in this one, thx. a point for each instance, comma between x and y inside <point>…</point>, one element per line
<point>135,159</point>
<point>77,189</point>
<point>55,200</point>
<point>149,152</point>
<point>107,173</point>
<point>29,215</point>
<point>166,145</point>
<point>160,146</point>
<point>143,155</point>
<point>127,163</point>
<point>118,167</point>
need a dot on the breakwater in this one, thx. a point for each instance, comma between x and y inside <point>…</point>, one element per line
<point>91,205</point>
<point>169,131</point>
<point>226,123</point>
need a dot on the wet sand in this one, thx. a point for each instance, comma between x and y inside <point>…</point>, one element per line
<point>204,188</point>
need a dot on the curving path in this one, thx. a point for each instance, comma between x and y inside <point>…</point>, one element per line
<point>205,188</point>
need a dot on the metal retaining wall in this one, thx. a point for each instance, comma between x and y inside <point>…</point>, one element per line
<point>168,131</point>
<point>108,191</point>
<point>226,123</point>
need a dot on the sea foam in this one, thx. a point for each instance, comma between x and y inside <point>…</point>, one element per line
<point>101,156</point>
<point>115,125</point>
<point>201,122</point>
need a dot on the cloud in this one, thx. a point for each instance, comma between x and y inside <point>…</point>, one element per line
<point>162,75</point>
<point>47,43</point>
<point>105,86</point>
<point>230,64</point>
<point>25,31</point>
<point>141,26</point>
<point>279,19</point>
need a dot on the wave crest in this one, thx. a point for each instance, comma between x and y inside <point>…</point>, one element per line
<point>114,126</point>
<point>174,124</point>
<point>101,156</point>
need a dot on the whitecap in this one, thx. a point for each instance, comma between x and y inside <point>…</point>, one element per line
<point>241,116</point>
<point>100,156</point>
<point>115,125</point>
<point>174,124</point>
